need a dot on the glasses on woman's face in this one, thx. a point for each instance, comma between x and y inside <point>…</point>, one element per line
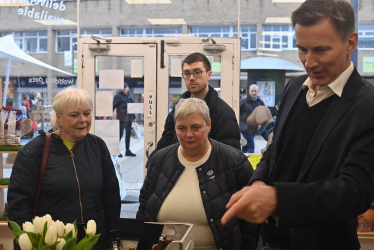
<point>196,74</point>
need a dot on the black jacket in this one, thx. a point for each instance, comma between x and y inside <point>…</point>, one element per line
<point>232,171</point>
<point>59,194</point>
<point>120,102</point>
<point>246,106</point>
<point>224,128</point>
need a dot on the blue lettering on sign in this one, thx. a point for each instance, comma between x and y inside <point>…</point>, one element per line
<point>51,4</point>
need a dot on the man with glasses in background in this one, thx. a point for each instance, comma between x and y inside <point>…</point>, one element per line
<point>196,73</point>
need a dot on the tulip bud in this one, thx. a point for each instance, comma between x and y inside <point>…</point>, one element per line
<point>69,227</point>
<point>24,242</point>
<point>60,228</point>
<point>38,225</point>
<point>51,236</point>
<point>91,228</point>
<point>61,244</point>
<point>47,218</point>
<point>28,227</point>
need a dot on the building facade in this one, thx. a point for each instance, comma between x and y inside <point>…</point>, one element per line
<point>47,31</point>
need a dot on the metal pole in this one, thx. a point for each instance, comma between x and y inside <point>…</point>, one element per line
<point>78,24</point>
<point>238,19</point>
<point>6,82</point>
<point>354,55</point>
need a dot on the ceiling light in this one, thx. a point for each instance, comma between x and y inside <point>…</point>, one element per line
<point>148,1</point>
<point>66,22</point>
<point>167,21</point>
<point>278,20</point>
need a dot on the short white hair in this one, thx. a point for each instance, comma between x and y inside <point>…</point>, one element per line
<point>253,86</point>
<point>66,101</point>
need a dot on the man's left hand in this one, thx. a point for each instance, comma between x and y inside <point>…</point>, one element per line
<point>254,204</point>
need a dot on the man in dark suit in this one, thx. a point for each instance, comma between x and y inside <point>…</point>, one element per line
<point>318,174</point>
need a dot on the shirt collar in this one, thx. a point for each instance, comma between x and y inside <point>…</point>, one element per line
<point>338,84</point>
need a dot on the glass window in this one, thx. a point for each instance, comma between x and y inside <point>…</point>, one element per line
<point>279,36</point>
<point>253,41</point>
<point>31,45</point>
<point>31,42</point>
<point>152,32</point>
<point>248,34</point>
<point>60,33</point>
<point>43,45</point>
<point>31,33</point>
<point>106,32</point>
<point>366,36</point>
<point>63,44</point>
<point>210,29</point>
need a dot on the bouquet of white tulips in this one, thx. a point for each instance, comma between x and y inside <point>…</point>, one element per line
<point>45,234</point>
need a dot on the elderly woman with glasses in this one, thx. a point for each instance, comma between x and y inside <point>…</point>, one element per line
<point>79,182</point>
<point>193,180</point>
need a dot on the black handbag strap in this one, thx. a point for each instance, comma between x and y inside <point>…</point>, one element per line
<point>42,167</point>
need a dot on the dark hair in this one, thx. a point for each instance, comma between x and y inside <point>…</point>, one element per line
<point>340,12</point>
<point>197,57</point>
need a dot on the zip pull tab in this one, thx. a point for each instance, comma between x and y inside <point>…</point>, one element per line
<point>71,154</point>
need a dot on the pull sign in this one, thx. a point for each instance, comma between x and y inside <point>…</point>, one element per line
<point>150,104</point>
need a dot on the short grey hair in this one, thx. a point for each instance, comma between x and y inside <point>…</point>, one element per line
<point>186,107</point>
<point>253,86</point>
<point>67,101</point>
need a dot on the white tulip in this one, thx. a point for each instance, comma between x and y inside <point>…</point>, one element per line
<point>24,242</point>
<point>51,236</point>
<point>38,225</point>
<point>60,228</point>
<point>28,227</point>
<point>69,227</point>
<point>91,228</point>
<point>47,218</point>
<point>61,244</point>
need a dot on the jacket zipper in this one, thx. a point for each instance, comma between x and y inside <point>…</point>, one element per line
<point>79,187</point>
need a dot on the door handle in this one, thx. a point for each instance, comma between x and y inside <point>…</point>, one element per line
<point>150,144</point>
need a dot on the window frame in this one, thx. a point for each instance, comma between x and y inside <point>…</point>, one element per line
<point>270,33</point>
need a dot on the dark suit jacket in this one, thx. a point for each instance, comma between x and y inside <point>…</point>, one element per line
<point>336,180</point>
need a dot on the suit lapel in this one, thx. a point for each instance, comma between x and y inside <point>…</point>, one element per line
<point>337,110</point>
<point>279,123</point>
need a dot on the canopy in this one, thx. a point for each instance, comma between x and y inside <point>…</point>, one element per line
<point>10,50</point>
<point>269,63</point>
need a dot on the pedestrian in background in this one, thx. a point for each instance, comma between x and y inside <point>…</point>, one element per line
<point>246,107</point>
<point>120,103</point>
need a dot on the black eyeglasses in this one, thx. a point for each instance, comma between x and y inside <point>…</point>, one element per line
<point>195,74</point>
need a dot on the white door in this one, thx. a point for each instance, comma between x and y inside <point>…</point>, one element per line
<point>158,61</point>
<point>224,55</point>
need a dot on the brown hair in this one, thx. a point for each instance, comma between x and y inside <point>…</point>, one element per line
<point>197,57</point>
<point>340,12</point>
